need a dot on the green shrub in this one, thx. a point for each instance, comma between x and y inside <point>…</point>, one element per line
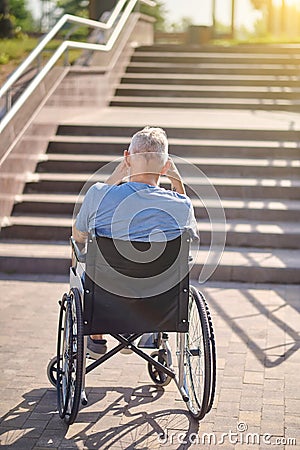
<point>4,58</point>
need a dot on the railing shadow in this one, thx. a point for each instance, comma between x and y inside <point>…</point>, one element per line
<point>124,422</point>
<point>260,353</point>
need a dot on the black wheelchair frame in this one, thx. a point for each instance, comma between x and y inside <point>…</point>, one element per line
<point>127,316</point>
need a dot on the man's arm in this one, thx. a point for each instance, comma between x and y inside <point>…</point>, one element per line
<point>116,177</point>
<point>81,224</point>
<point>175,178</point>
<point>118,174</point>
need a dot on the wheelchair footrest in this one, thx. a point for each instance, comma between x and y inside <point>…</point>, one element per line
<point>148,340</point>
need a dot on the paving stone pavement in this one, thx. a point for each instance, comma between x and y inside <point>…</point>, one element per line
<point>257,332</point>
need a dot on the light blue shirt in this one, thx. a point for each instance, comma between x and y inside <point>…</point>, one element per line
<point>137,212</point>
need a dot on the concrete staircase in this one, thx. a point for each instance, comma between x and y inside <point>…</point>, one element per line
<point>242,77</point>
<point>255,171</point>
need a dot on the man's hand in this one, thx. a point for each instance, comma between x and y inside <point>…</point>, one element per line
<point>175,178</point>
<point>79,236</point>
<point>120,172</point>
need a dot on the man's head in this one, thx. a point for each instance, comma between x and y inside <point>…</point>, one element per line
<point>151,141</point>
<point>148,151</point>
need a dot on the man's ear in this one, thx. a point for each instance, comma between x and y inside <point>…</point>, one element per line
<point>165,168</point>
<point>127,158</point>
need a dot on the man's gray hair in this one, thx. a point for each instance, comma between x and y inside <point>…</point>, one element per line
<point>150,140</point>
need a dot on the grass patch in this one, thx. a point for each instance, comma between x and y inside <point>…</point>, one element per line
<point>14,51</point>
<point>17,49</point>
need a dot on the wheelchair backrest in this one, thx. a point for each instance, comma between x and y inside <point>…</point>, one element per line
<point>136,286</point>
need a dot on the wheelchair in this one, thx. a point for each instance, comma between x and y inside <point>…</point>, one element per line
<point>130,295</point>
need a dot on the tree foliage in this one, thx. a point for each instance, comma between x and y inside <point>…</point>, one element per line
<point>22,17</point>
<point>181,25</point>
<point>75,7</point>
<point>158,12</point>
<point>14,17</point>
<point>259,4</point>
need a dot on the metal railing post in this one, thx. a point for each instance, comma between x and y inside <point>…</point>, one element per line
<point>39,61</point>
<point>8,100</point>
<point>66,57</point>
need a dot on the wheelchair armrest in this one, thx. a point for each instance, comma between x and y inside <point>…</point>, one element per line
<point>80,257</point>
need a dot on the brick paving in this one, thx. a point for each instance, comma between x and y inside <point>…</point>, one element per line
<point>257,331</point>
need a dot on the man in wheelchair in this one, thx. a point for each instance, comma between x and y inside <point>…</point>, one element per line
<point>138,210</point>
<point>136,282</point>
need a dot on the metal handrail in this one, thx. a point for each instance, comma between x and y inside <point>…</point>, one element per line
<point>65,45</point>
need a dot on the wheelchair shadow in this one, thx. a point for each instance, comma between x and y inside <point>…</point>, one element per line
<point>115,417</point>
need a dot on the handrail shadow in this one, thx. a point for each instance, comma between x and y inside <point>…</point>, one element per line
<point>259,353</point>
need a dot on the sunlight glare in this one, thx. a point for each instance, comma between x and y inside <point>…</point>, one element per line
<point>292,2</point>
<point>287,2</point>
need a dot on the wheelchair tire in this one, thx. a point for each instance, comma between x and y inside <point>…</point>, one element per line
<point>158,377</point>
<point>69,356</point>
<point>197,357</point>
<point>213,356</point>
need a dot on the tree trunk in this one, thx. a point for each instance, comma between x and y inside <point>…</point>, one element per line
<point>283,16</point>
<point>270,13</point>
<point>6,28</point>
<point>213,13</point>
<point>232,19</point>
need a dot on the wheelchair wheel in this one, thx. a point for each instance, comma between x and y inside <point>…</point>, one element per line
<point>158,377</point>
<point>69,356</point>
<point>196,357</point>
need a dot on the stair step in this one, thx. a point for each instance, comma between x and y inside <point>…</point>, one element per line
<point>111,134</point>
<point>227,187</point>
<point>240,69</point>
<point>215,103</point>
<point>265,49</point>
<point>31,257</point>
<point>244,234</point>
<point>39,228</point>
<point>209,80</point>
<point>68,163</point>
<point>232,92</point>
<point>220,58</point>
<point>253,266</point>
<point>76,163</point>
<point>40,204</point>
<point>237,264</point>
<point>250,209</point>
<point>186,148</point>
